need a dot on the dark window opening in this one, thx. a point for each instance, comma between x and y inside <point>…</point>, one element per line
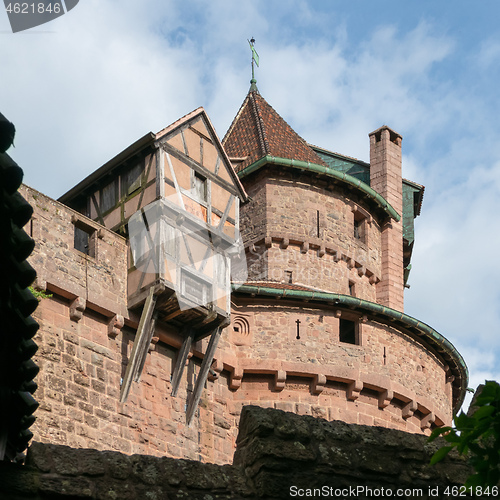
<point>288,277</point>
<point>200,186</point>
<point>351,289</point>
<point>85,240</point>
<point>359,227</point>
<point>348,332</point>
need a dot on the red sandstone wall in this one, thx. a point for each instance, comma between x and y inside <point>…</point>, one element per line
<point>386,179</point>
<point>386,360</point>
<point>86,337</point>
<point>285,238</point>
<point>79,385</point>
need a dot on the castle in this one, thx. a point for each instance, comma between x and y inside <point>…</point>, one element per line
<point>145,345</point>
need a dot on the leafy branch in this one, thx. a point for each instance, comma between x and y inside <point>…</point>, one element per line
<point>476,436</point>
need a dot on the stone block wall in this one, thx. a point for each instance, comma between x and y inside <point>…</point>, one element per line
<point>279,455</point>
<point>81,367</point>
<point>386,360</point>
<point>85,339</point>
<point>300,229</point>
<point>98,278</point>
<point>86,336</point>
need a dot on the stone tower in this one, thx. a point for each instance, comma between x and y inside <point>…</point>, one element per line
<point>329,242</point>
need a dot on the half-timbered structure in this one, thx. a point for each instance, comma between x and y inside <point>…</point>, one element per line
<point>176,198</point>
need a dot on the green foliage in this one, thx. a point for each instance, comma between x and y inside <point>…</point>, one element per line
<point>477,437</point>
<point>40,294</point>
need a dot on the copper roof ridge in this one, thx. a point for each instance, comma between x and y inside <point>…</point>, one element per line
<point>264,143</point>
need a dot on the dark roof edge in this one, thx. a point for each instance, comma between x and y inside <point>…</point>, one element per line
<point>322,169</point>
<point>338,155</point>
<point>420,189</point>
<point>131,150</point>
<point>435,339</point>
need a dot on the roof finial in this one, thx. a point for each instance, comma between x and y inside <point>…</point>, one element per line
<point>255,60</point>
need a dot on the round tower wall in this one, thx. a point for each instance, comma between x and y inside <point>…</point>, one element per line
<point>311,233</point>
<point>383,358</point>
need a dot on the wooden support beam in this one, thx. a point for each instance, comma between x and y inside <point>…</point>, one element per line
<point>141,346</point>
<point>202,376</point>
<point>143,353</point>
<point>181,361</point>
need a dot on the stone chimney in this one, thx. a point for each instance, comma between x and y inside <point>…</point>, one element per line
<point>386,179</point>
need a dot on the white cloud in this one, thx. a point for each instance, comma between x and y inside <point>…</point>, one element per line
<point>83,93</point>
<point>489,53</point>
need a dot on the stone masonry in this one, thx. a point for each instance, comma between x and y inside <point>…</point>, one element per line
<point>86,337</point>
<point>279,455</point>
<point>386,179</point>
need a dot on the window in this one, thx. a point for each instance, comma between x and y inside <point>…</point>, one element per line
<point>85,238</point>
<point>222,281</point>
<point>359,227</point>
<point>352,289</point>
<point>200,186</point>
<point>195,288</point>
<point>288,277</point>
<point>169,239</point>
<point>348,332</point>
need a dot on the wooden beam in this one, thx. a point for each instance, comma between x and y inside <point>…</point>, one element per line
<point>202,376</point>
<point>141,346</point>
<point>145,347</point>
<point>200,168</point>
<point>181,361</point>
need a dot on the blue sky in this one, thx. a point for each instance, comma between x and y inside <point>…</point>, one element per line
<point>83,87</point>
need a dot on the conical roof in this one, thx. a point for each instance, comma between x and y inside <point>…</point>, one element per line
<point>258,131</point>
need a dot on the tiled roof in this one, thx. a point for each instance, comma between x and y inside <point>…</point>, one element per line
<point>258,130</point>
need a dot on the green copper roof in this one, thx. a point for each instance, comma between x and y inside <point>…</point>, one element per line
<point>383,314</point>
<point>412,199</point>
<point>322,169</point>
<point>351,166</point>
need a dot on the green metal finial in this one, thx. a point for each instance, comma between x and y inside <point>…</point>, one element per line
<point>255,60</point>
